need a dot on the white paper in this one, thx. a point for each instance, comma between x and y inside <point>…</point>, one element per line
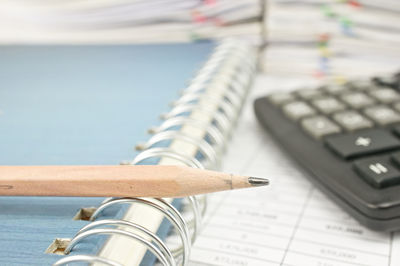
<point>369,46</point>
<point>288,223</point>
<point>125,21</point>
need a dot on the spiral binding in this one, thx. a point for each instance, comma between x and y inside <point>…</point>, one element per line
<point>228,72</point>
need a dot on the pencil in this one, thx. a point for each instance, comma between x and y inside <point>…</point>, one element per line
<point>118,181</point>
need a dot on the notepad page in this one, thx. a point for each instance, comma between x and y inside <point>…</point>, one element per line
<point>131,253</point>
<point>290,222</point>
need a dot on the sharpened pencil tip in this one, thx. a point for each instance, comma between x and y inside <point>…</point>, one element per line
<point>258,181</point>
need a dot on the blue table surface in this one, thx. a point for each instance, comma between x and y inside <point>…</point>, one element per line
<point>77,105</point>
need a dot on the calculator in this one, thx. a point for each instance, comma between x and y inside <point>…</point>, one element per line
<point>347,139</point>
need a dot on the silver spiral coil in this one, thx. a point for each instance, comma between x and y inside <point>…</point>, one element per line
<point>218,90</point>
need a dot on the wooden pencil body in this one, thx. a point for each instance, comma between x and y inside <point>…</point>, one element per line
<point>113,181</point>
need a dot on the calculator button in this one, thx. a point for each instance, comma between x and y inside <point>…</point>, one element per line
<point>382,115</point>
<point>298,109</point>
<point>388,81</point>
<point>357,100</point>
<point>396,130</point>
<point>382,80</point>
<point>396,106</point>
<point>362,143</point>
<point>336,89</point>
<point>328,105</point>
<point>308,94</point>
<point>377,171</point>
<point>319,126</point>
<point>385,95</point>
<point>281,98</point>
<point>396,158</point>
<point>352,120</point>
<point>361,85</point>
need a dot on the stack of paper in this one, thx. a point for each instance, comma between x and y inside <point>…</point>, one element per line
<point>110,21</point>
<point>333,39</point>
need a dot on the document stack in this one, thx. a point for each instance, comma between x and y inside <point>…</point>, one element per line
<point>127,21</point>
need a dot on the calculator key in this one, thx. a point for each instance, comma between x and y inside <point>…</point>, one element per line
<point>328,105</point>
<point>280,98</point>
<point>385,95</point>
<point>297,110</point>
<point>362,143</point>
<point>319,126</point>
<point>361,85</point>
<point>308,94</point>
<point>382,115</point>
<point>336,89</point>
<point>396,130</point>
<point>396,158</point>
<point>396,106</point>
<point>378,171</point>
<point>391,81</point>
<point>351,120</point>
<point>357,100</point>
<point>382,80</point>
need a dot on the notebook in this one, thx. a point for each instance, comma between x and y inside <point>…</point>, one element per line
<point>90,105</point>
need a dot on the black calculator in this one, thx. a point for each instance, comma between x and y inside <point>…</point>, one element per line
<point>347,139</point>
